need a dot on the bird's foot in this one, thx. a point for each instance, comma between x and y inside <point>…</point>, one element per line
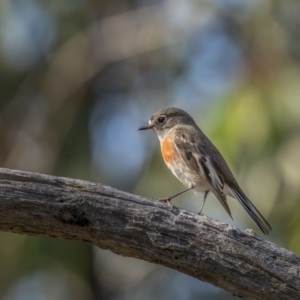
<point>166,200</point>
<point>200,213</point>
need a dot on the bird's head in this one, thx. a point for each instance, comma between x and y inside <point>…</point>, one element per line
<point>165,119</point>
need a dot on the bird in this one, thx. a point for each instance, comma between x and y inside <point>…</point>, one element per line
<point>197,163</point>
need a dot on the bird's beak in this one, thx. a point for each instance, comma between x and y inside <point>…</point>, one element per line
<point>146,126</point>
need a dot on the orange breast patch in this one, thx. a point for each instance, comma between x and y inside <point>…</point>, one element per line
<point>168,150</point>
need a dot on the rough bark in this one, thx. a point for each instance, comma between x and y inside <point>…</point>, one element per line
<point>238,261</point>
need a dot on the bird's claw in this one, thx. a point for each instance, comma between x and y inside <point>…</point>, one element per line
<point>166,200</point>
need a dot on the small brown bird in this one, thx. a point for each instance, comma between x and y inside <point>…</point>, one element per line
<point>197,163</point>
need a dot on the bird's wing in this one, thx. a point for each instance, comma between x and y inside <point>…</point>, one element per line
<point>189,145</point>
<point>206,160</point>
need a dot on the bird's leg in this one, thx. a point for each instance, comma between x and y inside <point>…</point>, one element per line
<point>168,199</point>
<point>204,199</point>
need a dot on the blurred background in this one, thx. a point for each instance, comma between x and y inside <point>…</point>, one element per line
<point>79,77</point>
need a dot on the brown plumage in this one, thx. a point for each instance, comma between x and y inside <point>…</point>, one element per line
<point>197,163</point>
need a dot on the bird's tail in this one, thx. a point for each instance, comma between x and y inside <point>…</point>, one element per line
<point>252,211</point>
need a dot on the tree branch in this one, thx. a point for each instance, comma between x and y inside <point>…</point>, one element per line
<point>238,261</point>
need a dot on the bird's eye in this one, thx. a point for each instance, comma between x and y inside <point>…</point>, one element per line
<point>161,120</point>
